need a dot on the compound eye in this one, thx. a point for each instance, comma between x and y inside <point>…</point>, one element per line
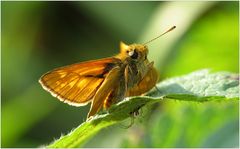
<point>133,54</point>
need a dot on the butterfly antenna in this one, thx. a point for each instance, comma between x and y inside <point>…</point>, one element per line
<point>172,28</point>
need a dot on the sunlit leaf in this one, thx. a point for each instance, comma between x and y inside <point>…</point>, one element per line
<point>200,86</point>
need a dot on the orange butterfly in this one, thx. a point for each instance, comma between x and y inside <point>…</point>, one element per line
<point>105,81</point>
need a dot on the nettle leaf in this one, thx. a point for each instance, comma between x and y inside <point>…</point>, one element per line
<point>199,86</point>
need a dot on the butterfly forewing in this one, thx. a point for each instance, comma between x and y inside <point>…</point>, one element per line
<point>77,84</point>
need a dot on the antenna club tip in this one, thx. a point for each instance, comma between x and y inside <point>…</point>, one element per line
<point>172,28</point>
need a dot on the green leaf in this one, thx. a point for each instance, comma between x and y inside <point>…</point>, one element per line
<point>200,86</point>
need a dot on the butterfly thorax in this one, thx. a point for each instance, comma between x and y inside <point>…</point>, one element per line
<point>135,62</point>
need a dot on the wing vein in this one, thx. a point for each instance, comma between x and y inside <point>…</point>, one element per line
<point>63,88</point>
<point>64,96</point>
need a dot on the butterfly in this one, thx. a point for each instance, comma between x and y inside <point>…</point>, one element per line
<point>106,81</point>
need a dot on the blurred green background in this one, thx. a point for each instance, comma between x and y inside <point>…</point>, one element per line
<point>40,36</point>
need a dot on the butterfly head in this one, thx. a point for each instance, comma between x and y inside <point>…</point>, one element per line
<point>135,52</point>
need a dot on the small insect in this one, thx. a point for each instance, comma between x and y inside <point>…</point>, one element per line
<point>105,81</point>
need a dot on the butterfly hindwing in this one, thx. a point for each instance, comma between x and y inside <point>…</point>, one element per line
<point>147,83</point>
<point>107,91</point>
